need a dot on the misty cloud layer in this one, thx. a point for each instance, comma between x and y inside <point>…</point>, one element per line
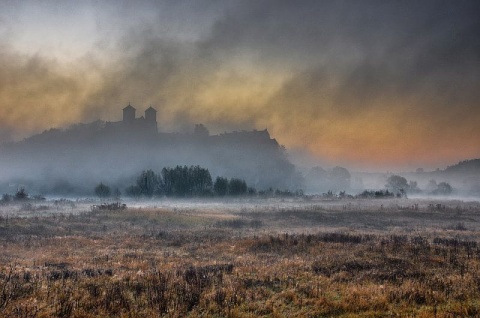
<point>355,83</point>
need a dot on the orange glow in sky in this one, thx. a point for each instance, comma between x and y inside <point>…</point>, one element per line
<point>376,91</point>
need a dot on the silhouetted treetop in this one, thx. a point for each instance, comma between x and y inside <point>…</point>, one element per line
<point>102,191</point>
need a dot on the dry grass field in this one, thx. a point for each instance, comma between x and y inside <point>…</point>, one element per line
<point>270,258</point>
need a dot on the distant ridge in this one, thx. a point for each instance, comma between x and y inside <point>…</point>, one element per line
<point>466,166</point>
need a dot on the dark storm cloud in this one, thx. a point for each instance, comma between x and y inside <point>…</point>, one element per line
<point>400,76</point>
<point>423,36</point>
<point>417,60</point>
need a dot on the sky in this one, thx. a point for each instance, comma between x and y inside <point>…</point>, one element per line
<point>363,84</point>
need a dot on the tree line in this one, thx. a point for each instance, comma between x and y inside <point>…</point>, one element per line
<point>400,187</point>
<point>20,196</point>
<point>181,181</point>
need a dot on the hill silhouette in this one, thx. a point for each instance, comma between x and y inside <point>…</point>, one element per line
<point>465,167</point>
<point>73,160</point>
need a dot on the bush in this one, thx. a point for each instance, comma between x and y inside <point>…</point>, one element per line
<point>375,194</point>
<point>443,188</point>
<point>397,184</point>
<point>6,198</point>
<point>21,195</point>
<point>102,191</point>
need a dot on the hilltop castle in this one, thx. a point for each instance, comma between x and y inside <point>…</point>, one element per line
<point>147,123</point>
<point>131,128</point>
<point>114,150</point>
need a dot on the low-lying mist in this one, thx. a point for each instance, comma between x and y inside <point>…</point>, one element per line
<point>74,161</point>
<point>459,181</point>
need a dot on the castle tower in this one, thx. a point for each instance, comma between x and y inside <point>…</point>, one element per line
<point>151,117</point>
<point>129,114</point>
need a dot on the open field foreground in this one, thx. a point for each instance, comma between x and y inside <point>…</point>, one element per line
<point>297,258</point>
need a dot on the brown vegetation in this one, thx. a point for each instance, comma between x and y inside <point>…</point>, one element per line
<point>293,260</point>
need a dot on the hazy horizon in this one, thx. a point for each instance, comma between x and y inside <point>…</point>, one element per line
<point>371,85</point>
<point>300,157</point>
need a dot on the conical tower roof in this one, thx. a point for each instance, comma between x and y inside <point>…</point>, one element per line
<point>129,107</point>
<point>150,109</point>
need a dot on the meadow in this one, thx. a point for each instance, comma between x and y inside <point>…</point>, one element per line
<point>293,257</point>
